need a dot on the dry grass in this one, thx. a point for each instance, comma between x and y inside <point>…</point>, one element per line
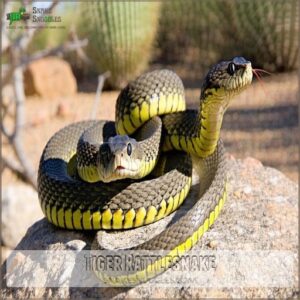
<point>262,122</point>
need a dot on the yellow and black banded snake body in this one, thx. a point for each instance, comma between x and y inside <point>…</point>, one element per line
<point>130,147</point>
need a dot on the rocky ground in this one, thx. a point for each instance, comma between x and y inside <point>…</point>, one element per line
<point>260,214</point>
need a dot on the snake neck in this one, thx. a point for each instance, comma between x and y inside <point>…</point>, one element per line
<point>210,117</point>
<point>197,132</point>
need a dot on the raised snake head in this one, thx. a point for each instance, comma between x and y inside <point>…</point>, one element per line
<point>226,79</point>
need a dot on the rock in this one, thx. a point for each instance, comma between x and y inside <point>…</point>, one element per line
<point>63,109</point>
<point>49,77</point>
<point>252,162</point>
<point>213,244</point>
<point>40,118</point>
<point>5,252</point>
<point>21,206</point>
<point>259,218</point>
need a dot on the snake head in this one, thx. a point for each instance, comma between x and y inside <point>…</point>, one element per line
<point>227,78</point>
<point>120,157</point>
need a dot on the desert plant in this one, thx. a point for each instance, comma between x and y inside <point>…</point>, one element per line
<point>199,33</point>
<point>15,47</point>
<point>121,36</point>
<point>265,31</point>
<point>188,31</point>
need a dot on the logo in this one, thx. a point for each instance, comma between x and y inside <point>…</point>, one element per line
<point>17,16</point>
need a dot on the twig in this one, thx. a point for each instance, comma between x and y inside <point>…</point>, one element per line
<point>23,41</point>
<point>4,131</point>
<point>67,47</point>
<point>20,44</point>
<point>27,173</point>
<point>18,87</point>
<point>18,60</point>
<point>15,138</point>
<point>79,52</point>
<point>5,40</point>
<point>15,169</point>
<point>101,80</point>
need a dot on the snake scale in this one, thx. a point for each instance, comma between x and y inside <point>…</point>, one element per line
<point>74,198</point>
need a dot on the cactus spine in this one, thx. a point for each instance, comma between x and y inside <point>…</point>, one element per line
<point>265,31</point>
<point>202,32</point>
<point>121,36</point>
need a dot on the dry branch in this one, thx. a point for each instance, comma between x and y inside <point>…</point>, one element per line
<point>67,47</point>
<point>24,40</point>
<point>18,60</point>
<point>15,168</point>
<point>79,52</point>
<point>101,80</point>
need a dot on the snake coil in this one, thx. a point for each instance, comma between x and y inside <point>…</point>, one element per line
<point>75,199</point>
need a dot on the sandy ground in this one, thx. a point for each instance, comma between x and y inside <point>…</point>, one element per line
<point>262,122</point>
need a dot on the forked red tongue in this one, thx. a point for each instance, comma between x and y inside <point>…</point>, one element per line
<point>120,168</point>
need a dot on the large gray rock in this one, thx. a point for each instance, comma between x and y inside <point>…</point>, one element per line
<point>261,213</point>
<point>21,208</point>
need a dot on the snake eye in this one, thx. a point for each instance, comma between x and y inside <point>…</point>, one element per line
<point>231,68</point>
<point>129,149</point>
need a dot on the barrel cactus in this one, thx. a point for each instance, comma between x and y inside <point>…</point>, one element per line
<point>266,31</point>
<point>121,36</point>
<point>201,32</point>
<point>188,33</point>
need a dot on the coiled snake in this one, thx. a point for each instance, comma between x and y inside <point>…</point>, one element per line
<point>85,203</point>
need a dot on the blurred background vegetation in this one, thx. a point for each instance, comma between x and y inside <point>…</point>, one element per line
<point>125,37</point>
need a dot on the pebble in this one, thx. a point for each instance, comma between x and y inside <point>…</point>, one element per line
<point>247,189</point>
<point>213,244</point>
